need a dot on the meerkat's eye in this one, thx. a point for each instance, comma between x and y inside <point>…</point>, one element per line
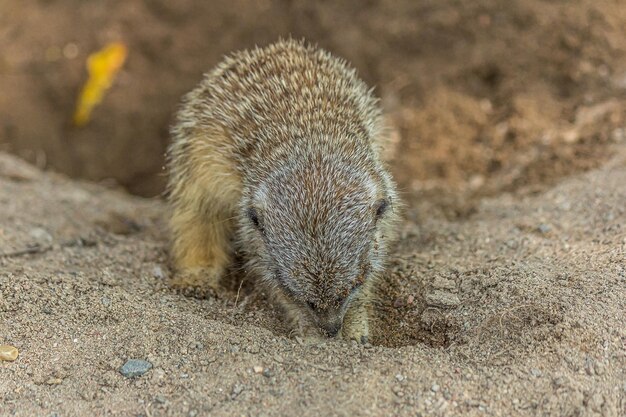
<point>253,215</point>
<point>312,305</point>
<point>381,207</point>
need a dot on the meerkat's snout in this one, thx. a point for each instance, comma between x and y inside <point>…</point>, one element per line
<point>329,320</point>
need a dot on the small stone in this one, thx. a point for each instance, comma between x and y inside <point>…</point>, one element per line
<point>258,369</point>
<point>267,373</point>
<point>558,382</point>
<point>8,353</point>
<point>476,181</point>
<point>70,51</point>
<point>40,235</point>
<point>106,301</point>
<point>54,381</point>
<point>618,134</point>
<point>599,368</point>
<point>237,389</point>
<point>158,273</point>
<point>571,135</point>
<point>400,377</point>
<point>544,228</point>
<point>135,367</point>
<point>398,302</point>
<point>443,299</point>
<point>511,244</point>
<point>589,366</point>
<point>434,388</point>
<point>410,299</point>
<point>596,401</point>
<point>536,372</point>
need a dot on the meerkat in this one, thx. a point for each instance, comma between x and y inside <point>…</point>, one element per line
<point>276,155</point>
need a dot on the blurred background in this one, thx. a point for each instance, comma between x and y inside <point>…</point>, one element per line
<point>483,96</point>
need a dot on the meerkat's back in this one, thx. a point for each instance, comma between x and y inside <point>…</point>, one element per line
<point>265,97</point>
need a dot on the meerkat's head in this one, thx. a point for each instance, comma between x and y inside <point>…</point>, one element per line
<point>318,228</point>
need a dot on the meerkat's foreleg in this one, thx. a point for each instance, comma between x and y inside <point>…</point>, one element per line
<point>205,194</point>
<point>200,244</point>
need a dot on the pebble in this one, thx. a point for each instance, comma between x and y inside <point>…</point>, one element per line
<point>544,228</point>
<point>258,369</point>
<point>40,235</point>
<point>237,389</point>
<point>54,381</point>
<point>135,367</point>
<point>434,388</point>
<point>398,302</point>
<point>589,366</point>
<point>8,353</point>
<point>158,273</point>
<point>443,299</point>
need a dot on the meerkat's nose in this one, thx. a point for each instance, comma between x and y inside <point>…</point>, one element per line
<point>332,329</point>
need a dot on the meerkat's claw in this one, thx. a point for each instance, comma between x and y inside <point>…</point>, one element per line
<point>358,337</point>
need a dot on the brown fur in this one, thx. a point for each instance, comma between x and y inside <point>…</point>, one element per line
<point>277,150</point>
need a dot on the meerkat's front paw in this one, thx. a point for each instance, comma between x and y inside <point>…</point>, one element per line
<point>198,282</point>
<point>356,331</point>
<point>356,324</point>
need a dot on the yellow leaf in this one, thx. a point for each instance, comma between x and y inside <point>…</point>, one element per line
<point>102,67</point>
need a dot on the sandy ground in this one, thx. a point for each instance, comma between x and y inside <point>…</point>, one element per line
<point>506,295</point>
<point>518,309</point>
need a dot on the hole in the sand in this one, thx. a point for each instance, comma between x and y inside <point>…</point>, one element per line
<point>405,318</point>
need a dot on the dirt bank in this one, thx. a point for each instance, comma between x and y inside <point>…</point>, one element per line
<point>484,95</point>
